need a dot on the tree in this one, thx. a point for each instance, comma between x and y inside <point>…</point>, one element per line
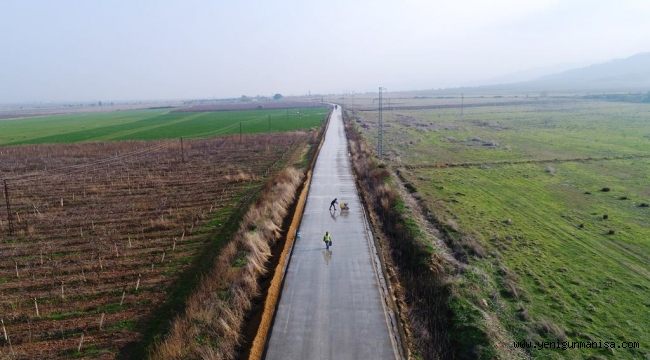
<point>277,96</point>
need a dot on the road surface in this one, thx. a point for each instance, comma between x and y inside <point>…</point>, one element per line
<point>332,305</point>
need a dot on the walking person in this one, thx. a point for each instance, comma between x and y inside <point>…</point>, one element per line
<point>333,204</point>
<point>327,239</point>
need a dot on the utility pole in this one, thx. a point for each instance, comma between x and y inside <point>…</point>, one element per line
<point>462,104</point>
<point>182,150</point>
<point>380,134</point>
<point>240,131</point>
<point>11,225</point>
<point>269,118</point>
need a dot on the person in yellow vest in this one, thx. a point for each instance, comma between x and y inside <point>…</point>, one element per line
<point>327,239</point>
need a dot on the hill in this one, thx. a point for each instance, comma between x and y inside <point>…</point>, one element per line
<point>628,74</point>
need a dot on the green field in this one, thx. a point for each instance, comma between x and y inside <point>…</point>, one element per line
<point>563,259</point>
<point>153,124</point>
<point>565,130</point>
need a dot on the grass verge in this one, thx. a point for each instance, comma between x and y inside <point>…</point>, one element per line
<point>423,282</point>
<point>158,324</point>
<point>210,327</point>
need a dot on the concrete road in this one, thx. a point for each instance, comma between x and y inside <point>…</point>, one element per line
<point>332,305</point>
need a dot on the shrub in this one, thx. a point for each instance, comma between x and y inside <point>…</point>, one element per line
<point>550,170</point>
<point>522,314</point>
<point>549,329</point>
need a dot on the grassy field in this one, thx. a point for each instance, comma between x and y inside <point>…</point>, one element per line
<point>565,130</point>
<point>555,195</point>
<point>153,124</point>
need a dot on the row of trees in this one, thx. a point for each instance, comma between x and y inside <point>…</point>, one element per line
<point>275,97</point>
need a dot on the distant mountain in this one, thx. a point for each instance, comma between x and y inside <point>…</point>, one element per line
<point>629,74</point>
<point>527,75</point>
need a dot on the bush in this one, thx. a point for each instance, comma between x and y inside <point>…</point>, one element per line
<point>550,330</point>
<point>550,170</point>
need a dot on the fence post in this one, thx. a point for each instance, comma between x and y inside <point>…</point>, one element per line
<point>11,226</point>
<point>182,150</point>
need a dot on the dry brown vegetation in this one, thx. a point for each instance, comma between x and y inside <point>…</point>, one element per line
<point>101,231</point>
<point>210,327</point>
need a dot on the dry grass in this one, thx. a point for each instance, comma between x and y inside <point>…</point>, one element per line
<point>240,176</point>
<point>210,326</point>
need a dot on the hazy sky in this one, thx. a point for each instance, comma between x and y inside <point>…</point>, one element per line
<point>63,50</point>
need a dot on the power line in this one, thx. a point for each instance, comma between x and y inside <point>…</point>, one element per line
<point>71,169</point>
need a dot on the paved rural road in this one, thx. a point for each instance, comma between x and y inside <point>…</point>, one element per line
<point>332,305</point>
